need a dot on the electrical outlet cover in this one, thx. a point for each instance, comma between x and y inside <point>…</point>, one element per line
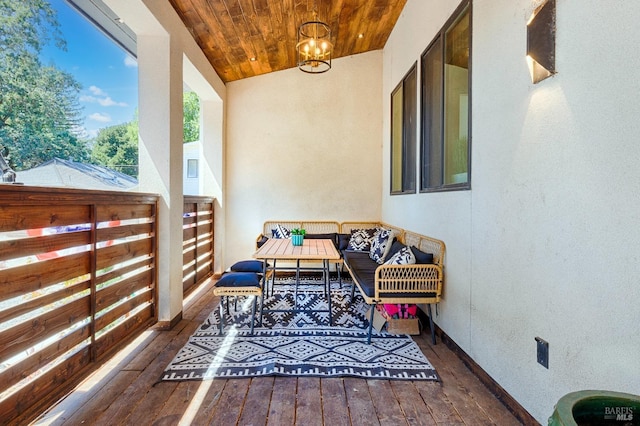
<point>543,352</point>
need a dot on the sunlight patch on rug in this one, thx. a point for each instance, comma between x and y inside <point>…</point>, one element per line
<point>299,344</point>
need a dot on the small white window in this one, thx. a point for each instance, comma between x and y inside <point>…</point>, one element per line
<point>192,168</point>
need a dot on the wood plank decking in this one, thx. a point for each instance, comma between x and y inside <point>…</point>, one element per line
<point>125,391</point>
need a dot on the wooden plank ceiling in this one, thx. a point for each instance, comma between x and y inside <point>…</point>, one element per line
<point>245,38</point>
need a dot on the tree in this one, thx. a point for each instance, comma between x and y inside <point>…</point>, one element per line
<point>117,148</point>
<point>39,108</point>
<point>191,106</point>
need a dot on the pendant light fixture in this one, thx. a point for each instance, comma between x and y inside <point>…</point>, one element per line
<point>314,46</point>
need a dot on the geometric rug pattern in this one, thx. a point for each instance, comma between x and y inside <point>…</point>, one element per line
<point>299,344</point>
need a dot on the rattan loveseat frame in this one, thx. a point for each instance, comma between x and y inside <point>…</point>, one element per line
<point>416,283</point>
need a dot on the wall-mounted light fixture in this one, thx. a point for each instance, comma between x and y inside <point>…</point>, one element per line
<point>541,42</point>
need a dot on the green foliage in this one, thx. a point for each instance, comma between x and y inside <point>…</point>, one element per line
<point>191,105</point>
<point>39,109</point>
<point>117,148</point>
<point>298,231</point>
<point>28,25</point>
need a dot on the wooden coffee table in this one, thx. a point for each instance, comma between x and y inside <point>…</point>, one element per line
<point>311,249</point>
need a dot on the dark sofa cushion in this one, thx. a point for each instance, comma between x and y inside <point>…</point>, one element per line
<point>422,257</point>
<point>247,266</point>
<point>395,247</point>
<point>363,269</point>
<point>239,279</point>
<point>261,241</point>
<point>408,295</point>
<point>343,241</point>
<point>329,236</point>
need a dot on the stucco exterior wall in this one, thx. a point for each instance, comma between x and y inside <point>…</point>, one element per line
<point>168,57</point>
<point>303,146</point>
<point>545,243</point>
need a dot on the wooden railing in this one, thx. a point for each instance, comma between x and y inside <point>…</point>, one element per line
<point>197,245</point>
<point>77,281</point>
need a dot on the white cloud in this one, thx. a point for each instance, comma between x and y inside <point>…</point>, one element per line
<point>110,102</point>
<point>102,118</point>
<point>104,100</point>
<point>130,62</point>
<point>96,91</point>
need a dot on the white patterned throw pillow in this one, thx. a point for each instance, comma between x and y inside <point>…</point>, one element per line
<point>280,232</point>
<point>361,239</point>
<point>381,244</point>
<point>403,257</point>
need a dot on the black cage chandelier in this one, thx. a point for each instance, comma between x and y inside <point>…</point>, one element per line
<point>314,47</point>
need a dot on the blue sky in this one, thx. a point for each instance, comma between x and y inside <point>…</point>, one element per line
<point>108,75</point>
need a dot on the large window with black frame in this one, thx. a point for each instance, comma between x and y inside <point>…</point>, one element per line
<point>404,102</point>
<point>445,160</point>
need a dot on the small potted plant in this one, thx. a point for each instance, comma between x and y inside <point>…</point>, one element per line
<point>297,236</point>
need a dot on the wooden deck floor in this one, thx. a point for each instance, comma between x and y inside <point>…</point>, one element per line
<point>124,391</point>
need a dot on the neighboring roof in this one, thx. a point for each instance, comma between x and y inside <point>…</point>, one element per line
<point>70,174</point>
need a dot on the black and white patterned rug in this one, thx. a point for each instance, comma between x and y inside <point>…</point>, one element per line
<point>299,344</point>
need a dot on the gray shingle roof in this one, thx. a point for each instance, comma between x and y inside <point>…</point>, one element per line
<point>70,174</point>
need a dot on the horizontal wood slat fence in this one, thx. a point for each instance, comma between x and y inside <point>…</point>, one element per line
<point>77,282</point>
<point>197,241</point>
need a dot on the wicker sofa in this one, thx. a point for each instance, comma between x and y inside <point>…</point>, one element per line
<point>415,283</point>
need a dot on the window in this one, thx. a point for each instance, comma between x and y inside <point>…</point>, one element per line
<point>404,134</point>
<point>444,151</point>
<point>192,168</point>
